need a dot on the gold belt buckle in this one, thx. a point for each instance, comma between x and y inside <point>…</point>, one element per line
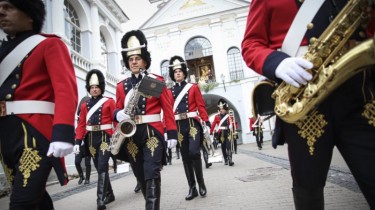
<point>96,128</point>
<point>138,119</point>
<point>3,111</point>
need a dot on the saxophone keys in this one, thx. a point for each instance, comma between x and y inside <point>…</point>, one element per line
<point>310,90</point>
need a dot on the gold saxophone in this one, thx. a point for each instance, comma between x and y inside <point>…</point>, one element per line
<point>333,63</point>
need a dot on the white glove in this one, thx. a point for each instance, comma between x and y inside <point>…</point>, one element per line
<point>59,149</point>
<point>172,143</point>
<point>121,116</point>
<point>293,71</point>
<point>76,149</point>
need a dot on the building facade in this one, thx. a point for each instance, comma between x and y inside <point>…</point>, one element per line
<point>208,35</point>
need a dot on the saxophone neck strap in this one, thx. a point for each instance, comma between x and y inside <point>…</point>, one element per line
<point>298,28</point>
<point>180,95</point>
<point>95,107</point>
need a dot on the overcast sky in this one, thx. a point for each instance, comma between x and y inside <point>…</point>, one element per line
<point>138,12</point>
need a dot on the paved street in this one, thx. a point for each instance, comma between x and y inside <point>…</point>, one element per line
<point>260,179</point>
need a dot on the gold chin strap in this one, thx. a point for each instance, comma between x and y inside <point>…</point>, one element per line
<point>312,128</point>
<point>29,160</point>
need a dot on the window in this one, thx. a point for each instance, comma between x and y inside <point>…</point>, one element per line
<point>72,27</point>
<point>235,64</point>
<point>198,47</point>
<point>103,51</point>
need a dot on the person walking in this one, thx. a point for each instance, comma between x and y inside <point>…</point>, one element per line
<point>145,149</point>
<point>188,102</point>
<point>276,38</point>
<point>37,109</point>
<point>96,127</point>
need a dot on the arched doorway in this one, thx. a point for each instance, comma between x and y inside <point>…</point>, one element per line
<point>198,56</point>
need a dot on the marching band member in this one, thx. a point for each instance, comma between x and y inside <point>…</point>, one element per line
<point>188,106</point>
<point>145,149</point>
<point>37,107</point>
<point>224,124</point>
<point>95,125</point>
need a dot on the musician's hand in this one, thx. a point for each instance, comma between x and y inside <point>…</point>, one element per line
<point>121,116</point>
<point>293,71</point>
<point>172,143</point>
<point>76,149</point>
<point>59,149</point>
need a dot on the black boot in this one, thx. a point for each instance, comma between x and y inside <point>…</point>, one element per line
<point>189,172</point>
<point>115,165</point>
<point>137,188</point>
<point>109,197</point>
<point>178,152</point>
<point>230,162</point>
<point>197,165</point>
<point>81,178</point>
<point>88,173</point>
<point>143,188</point>
<point>101,191</point>
<point>153,194</point>
<point>205,157</point>
<point>308,199</point>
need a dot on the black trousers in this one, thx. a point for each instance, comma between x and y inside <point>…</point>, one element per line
<point>83,154</point>
<point>146,151</point>
<point>190,145</point>
<point>348,129</point>
<point>101,156</point>
<point>25,163</point>
<point>226,146</point>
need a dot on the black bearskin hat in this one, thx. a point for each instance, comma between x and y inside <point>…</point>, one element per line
<point>134,43</point>
<point>95,77</point>
<point>177,62</point>
<point>222,104</point>
<point>34,9</point>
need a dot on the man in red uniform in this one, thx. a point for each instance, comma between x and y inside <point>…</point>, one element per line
<point>145,149</point>
<point>189,108</point>
<point>224,124</point>
<point>341,120</point>
<point>95,128</point>
<point>36,108</point>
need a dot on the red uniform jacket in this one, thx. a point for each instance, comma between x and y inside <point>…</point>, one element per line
<point>267,24</point>
<point>48,75</point>
<point>191,102</point>
<point>152,105</point>
<point>105,117</point>
<point>226,123</point>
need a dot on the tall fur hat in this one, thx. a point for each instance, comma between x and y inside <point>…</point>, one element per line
<point>134,43</point>
<point>177,62</point>
<point>222,104</point>
<point>34,9</point>
<point>95,77</point>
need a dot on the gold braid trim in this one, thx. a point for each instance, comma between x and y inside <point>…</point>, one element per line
<point>369,112</point>
<point>132,149</point>
<point>312,128</point>
<point>91,148</point>
<point>152,142</point>
<point>180,137</point>
<point>29,160</point>
<point>103,145</point>
<point>193,131</point>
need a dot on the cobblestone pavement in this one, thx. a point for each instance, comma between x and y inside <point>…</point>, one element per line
<point>260,179</point>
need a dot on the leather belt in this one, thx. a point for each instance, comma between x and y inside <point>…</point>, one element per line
<point>141,119</point>
<point>222,128</point>
<point>26,107</point>
<point>185,115</point>
<point>98,127</point>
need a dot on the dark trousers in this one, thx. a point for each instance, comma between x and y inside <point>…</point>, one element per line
<point>348,129</point>
<point>23,151</point>
<point>78,160</point>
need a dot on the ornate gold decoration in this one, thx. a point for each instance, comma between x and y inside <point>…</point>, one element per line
<point>222,137</point>
<point>92,151</point>
<point>104,147</point>
<point>369,112</point>
<point>193,132</point>
<point>132,149</point>
<point>152,143</point>
<point>312,128</point>
<point>192,3</point>
<point>28,163</point>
